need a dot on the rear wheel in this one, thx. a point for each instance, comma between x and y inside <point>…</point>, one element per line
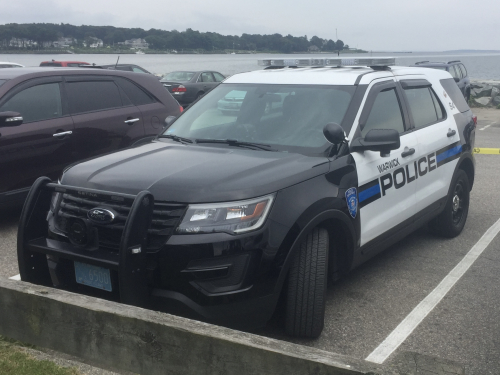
<point>452,220</point>
<point>307,283</point>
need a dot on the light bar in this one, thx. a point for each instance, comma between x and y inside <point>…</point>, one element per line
<point>374,61</point>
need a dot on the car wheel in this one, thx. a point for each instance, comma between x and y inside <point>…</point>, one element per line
<point>467,96</point>
<point>307,283</point>
<point>199,95</point>
<point>452,220</point>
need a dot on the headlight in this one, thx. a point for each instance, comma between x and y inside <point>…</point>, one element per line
<point>232,218</point>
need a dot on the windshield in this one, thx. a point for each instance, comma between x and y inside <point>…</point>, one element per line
<point>286,117</point>
<point>178,76</point>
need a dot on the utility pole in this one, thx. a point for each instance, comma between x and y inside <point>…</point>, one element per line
<point>336,37</point>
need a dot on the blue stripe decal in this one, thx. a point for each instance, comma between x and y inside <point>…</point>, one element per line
<point>449,153</point>
<point>364,195</point>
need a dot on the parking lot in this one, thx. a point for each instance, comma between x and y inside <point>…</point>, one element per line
<point>367,305</point>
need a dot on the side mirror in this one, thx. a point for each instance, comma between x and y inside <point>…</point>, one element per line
<point>169,120</point>
<point>334,133</point>
<point>383,140</point>
<point>10,119</point>
<point>456,79</point>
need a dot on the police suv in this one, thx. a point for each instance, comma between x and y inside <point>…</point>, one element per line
<point>321,164</point>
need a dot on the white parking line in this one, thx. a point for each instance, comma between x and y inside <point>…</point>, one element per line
<point>487,126</point>
<point>17,277</point>
<point>406,327</point>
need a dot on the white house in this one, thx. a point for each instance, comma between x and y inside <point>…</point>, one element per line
<point>137,43</point>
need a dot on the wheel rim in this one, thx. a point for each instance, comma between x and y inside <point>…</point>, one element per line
<point>458,203</point>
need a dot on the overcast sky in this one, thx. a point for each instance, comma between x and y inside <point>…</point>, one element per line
<point>378,25</point>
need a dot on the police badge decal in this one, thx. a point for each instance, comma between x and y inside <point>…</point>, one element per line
<point>351,198</point>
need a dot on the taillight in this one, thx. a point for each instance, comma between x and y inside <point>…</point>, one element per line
<point>181,108</point>
<point>475,120</point>
<point>179,89</point>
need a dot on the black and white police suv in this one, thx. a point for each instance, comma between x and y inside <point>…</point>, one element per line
<point>319,166</point>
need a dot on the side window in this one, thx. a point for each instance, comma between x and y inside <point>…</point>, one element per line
<point>385,113</point>
<point>441,114</point>
<point>464,71</point>
<point>92,96</point>
<point>455,94</point>
<point>134,93</point>
<point>137,70</point>
<point>207,77</point>
<point>36,103</point>
<point>218,77</point>
<point>422,106</point>
<point>454,73</point>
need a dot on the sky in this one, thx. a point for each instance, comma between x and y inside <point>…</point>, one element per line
<point>376,25</point>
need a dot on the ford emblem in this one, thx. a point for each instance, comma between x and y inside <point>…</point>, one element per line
<point>100,215</point>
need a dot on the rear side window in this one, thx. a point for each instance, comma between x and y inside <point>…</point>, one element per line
<point>464,71</point>
<point>456,96</point>
<point>385,113</point>
<point>207,77</point>
<point>422,106</point>
<point>134,93</point>
<point>36,103</point>
<point>51,64</point>
<point>93,96</point>
<point>73,65</point>
<point>218,77</point>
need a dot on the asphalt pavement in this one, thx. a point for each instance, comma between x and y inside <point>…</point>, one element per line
<point>367,305</point>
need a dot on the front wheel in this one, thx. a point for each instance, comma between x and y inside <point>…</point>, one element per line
<point>307,282</point>
<point>452,220</point>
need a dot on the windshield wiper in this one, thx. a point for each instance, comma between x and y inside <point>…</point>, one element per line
<point>234,142</point>
<point>176,138</point>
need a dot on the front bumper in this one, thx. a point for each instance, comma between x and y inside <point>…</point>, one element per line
<point>220,280</point>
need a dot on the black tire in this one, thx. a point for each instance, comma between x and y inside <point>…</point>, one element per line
<point>467,96</point>
<point>452,220</point>
<point>307,283</point>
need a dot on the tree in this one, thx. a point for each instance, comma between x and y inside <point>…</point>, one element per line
<point>339,45</point>
<point>330,45</point>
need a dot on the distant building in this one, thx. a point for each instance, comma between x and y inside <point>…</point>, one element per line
<point>313,49</point>
<point>137,43</point>
<point>93,43</point>
<point>64,42</point>
<point>21,43</point>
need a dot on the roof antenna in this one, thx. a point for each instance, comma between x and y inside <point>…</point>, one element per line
<point>118,59</point>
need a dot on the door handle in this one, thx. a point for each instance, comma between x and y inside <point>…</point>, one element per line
<point>131,121</point>
<point>407,152</point>
<point>62,134</point>
<point>451,133</point>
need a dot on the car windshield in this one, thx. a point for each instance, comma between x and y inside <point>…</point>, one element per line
<point>286,117</point>
<point>178,76</point>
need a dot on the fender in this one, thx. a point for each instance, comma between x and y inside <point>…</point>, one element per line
<point>469,169</point>
<point>321,217</point>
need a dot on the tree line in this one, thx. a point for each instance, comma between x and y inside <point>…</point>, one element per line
<point>42,33</point>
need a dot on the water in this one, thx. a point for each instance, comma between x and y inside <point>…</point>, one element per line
<point>479,65</point>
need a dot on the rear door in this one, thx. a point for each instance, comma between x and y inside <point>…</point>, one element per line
<point>208,81</point>
<point>386,184</point>
<point>104,117</point>
<point>40,146</point>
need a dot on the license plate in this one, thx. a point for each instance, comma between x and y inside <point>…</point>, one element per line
<point>96,277</point>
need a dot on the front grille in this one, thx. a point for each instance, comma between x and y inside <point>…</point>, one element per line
<point>166,217</point>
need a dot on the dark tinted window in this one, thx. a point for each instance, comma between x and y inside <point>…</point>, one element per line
<point>134,93</point>
<point>93,96</point>
<point>454,72</point>
<point>218,77</point>
<point>73,64</point>
<point>455,94</point>
<point>385,113</point>
<point>422,106</point>
<point>51,64</point>
<point>441,114</point>
<point>36,103</point>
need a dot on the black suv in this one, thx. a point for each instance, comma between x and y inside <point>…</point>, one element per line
<point>457,71</point>
<point>52,117</point>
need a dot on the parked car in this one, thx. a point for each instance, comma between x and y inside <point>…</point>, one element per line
<point>10,65</point>
<point>126,67</point>
<point>222,217</point>
<point>64,64</point>
<point>187,86</point>
<point>50,118</point>
<point>457,71</point>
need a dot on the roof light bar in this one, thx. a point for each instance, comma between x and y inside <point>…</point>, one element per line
<point>376,61</point>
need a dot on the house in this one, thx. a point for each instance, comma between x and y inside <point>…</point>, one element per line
<point>64,42</point>
<point>21,42</point>
<point>137,43</point>
<point>93,43</point>
<point>313,49</point>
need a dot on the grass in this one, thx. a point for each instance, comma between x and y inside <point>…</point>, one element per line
<point>13,361</point>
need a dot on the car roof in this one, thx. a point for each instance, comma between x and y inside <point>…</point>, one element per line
<point>10,63</point>
<point>11,73</point>
<point>61,61</point>
<point>344,76</point>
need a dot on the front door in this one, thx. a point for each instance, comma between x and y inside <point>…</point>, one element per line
<point>40,146</point>
<point>386,188</point>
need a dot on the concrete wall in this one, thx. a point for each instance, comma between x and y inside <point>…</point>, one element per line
<point>147,342</point>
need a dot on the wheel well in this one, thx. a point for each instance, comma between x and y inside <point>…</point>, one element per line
<point>468,168</point>
<point>341,248</point>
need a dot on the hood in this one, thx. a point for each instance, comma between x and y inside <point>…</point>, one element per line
<point>194,173</point>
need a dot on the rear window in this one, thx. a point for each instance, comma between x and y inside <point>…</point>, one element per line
<point>455,94</point>
<point>93,96</point>
<point>178,76</point>
<point>134,93</point>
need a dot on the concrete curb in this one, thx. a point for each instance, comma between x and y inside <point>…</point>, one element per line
<point>147,342</point>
